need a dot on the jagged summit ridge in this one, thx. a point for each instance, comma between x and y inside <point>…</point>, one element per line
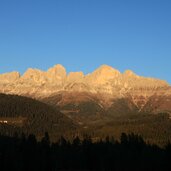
<point>60,71</point>
<point>104,79</point>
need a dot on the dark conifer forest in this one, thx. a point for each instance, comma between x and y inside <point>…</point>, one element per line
<point>25,153</point>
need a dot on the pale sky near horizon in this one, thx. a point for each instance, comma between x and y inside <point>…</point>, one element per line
<point>84,34</point>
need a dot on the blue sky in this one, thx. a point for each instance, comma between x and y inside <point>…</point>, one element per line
<point>84,34</point>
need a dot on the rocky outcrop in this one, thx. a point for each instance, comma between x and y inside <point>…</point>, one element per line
<point>103,75</point>
<point>75,77</point>
<point>56,75</point>
<point>9,78</point>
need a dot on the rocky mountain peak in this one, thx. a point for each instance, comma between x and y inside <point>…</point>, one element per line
<point>102,75</point>
<point>56,75</point>
<point>9,77</point>
<point>107,70</point>
<point>57,70</point>
<point>30,73</point>
<point>33,77</point>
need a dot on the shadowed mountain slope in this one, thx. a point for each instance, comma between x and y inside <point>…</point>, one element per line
<point>22,114</point>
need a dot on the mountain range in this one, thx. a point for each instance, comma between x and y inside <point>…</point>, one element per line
<point>92,100</point>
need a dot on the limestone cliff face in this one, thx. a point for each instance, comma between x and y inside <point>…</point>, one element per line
<point>56,75</point>
<point>9,77</point>
<point>106,81</point>
<point>33,76</point>
<point>75,77</point>
<point>103,75</point>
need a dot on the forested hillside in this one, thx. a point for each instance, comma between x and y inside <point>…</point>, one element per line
<point>22,114</point>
